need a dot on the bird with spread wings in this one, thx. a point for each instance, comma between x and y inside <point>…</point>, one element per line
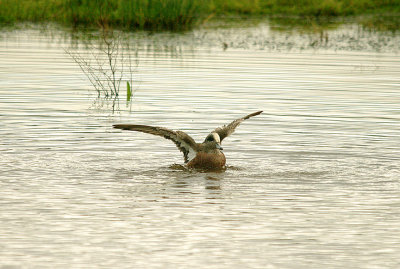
<point>206,155</point>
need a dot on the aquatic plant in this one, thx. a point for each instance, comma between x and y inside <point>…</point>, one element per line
<point>107,63</point>
<point>128,91</point>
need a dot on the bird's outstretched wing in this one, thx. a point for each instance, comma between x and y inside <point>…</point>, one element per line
<point>183,141</point>
<point>227,130</point>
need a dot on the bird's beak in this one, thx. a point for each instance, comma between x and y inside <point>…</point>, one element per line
<point>219,147</point>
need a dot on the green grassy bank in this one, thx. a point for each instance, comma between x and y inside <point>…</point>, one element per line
<point>176,14</point>
<point>307,7</point>
<point>133,14</point>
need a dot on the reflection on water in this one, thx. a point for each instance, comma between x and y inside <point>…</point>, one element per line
<point>312,182</point>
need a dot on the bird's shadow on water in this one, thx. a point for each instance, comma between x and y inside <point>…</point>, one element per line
<point>178,176</point>
<point>211,178</point>
<point>180,167</point>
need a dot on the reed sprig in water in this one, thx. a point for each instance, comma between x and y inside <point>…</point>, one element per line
<point>107,63</point>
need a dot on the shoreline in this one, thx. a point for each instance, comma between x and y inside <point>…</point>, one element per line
<point>178,15</point>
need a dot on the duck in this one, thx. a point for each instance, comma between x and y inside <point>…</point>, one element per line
<point>207,155</point>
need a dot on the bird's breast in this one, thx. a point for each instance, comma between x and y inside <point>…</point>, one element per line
<point>208,160</point>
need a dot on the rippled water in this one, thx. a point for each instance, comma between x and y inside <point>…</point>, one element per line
<point>313,182</point>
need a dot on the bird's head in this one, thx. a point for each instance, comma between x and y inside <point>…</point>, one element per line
<point>213,141</point>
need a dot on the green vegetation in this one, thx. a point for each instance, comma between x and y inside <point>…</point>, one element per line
<point>110,62</point>
<point>177,14</point>
<point>128,92</point>
<point>131,14</point>
<point>307,7</point>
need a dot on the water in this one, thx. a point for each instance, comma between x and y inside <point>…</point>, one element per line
<point>312,182</point>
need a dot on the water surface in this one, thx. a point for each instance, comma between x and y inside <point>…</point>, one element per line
<point>312,182</point>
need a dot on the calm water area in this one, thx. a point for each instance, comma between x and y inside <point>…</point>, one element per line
<point>313,182</point>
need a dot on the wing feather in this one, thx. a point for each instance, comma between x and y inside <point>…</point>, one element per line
<point>183,141</point>
<point>227,130</point>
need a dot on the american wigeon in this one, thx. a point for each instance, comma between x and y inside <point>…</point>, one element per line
<point>207,155</point>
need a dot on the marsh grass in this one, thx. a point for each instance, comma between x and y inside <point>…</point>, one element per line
<point>305,7</point>
<point>130,14</point>
<point>177,14</point>
<point>386,23</point>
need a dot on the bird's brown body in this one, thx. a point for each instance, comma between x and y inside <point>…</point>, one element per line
<point>208,160</point>
<point>205,156</point>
